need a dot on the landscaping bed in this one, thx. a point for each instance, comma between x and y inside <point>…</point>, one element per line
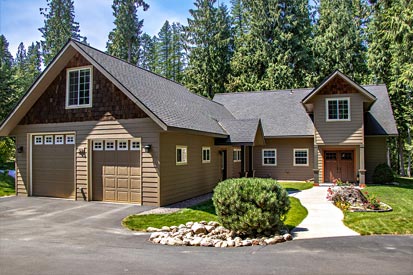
<point>6,185</point>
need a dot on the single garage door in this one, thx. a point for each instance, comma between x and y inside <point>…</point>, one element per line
<point>53,165</point>
<point>116,171</point>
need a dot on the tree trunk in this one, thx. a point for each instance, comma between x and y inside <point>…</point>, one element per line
<point>401,157</point>
<point>409,153</point>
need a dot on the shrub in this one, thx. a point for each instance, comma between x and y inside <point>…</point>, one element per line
<point>383,174</point>
<point>251,206</point>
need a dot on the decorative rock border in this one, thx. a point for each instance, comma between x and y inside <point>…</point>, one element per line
<point>387,207</point>
<point>209,234</point>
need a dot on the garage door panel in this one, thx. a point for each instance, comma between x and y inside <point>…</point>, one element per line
<point>117,174</point>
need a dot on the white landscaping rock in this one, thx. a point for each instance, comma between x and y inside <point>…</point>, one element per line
<point>198,228</point>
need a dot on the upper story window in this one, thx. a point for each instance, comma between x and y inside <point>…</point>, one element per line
<point>79,87</point>
<point>338,109</point>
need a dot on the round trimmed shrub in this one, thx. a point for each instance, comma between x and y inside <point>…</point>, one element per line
<point>251,206</point>
<point>383,174</point>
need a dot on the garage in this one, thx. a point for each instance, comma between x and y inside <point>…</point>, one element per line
<point>116,174</point>
<point>53,165</point>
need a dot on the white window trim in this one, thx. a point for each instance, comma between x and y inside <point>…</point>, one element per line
<point>45,140</point>
<point>269,149</point>
<point>206,149</point>
<point>301,149</point>
<point>40,142</point>
<point>94,145</point>
<point>90,88</point>
<point>106,145</point>
<point>67,139</point>
<point>184,159</point>
<point>59,136</point>
<point>134,148</point>
<point>335,99</point>
<point>238,154</point>
<point>123,149</point>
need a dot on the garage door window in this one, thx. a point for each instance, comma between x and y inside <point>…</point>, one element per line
<point>58,139</point>
<point>109,145</point>
<point>70,139</point>
<point>97,145</point>
<point>38,140</point>
<point>135,145</point>
<point>48,140</point>
<point>122,145</point>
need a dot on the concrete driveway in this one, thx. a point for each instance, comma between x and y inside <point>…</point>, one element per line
<point>51,236</point>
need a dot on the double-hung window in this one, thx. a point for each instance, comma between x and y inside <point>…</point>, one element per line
<point>79,87</point>
<point>181,155</point>
<point>269,157</point>
<point>237,155</point>
<point>206,154</point>
<point>338,109</point>
<point>300,157</point>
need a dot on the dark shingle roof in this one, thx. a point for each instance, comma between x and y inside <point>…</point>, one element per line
<point>240,130</point>
<point>282,113</point>
<point>169,101</point>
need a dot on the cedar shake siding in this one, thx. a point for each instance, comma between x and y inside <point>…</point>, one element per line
<point>339,132</point>
<point>180,182</point>
<point>108,103</point>
<point>375,151</point>
<point>285,169</point>
<point>143,128</point>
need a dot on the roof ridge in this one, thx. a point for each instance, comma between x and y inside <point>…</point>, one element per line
<point>265,91</point>
<point>146,70</point>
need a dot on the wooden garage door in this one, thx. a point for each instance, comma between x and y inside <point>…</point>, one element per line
<point>53,166</point>
<point>116,171</point>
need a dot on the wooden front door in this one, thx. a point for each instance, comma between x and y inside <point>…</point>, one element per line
<point>339,165</point>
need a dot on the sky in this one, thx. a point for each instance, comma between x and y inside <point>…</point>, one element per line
<point>21,19</point>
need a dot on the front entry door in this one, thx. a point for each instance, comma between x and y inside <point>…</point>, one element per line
<point>339,165</point>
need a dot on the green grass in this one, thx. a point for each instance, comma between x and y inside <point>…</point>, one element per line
<point>399,221</point>
<point>296,186</point>
<point>201,212</point>
<point>6,185</point>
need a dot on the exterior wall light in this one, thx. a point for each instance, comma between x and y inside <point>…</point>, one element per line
<point>147,148</point>
<point>20,149</point>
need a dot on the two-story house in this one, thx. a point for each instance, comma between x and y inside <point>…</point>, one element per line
<point>93,127</point>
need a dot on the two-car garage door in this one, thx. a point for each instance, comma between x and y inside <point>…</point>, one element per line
<point>116,171</point>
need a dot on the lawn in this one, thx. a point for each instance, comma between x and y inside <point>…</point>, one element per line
<point>6,185</point>
<point>296,186</point>
<point>399,221</point>
<point>202,212</point>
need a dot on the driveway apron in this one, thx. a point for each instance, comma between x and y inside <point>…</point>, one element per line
<point>323,220</point>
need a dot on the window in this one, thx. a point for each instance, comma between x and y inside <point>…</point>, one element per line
<point>122,145</point>
<point>331,156</point>
<point>70,139</point>
<point>38,140</point>
<point>79,88</point>
<point>109,145</point>
<point>338,109</point>
<point>58,139</point>
<point>97,145</point>
<point>300,157</point>
<point>206,154</point>
<point>48,140</point>
<point>181,155</point>
<point>135,145</point>
<point>237,155</point>
<point>269,157</point>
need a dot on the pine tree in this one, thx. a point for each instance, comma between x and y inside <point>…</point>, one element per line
<point>274,51</point>
<point>209,35</point>
<point>339,42</point>
<point>177,52</point>
<point>59,26</point>
<point>33,62</point>
<point>7,94</point>
<point>125,39</point>
<point>148,55</point>
<point>164,50</point>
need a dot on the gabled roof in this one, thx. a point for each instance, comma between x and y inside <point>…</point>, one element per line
<point>283,115</point>
<point>241,131</point>
<point>168,103</point>
<point>281,112</point>
<point>334,74</point>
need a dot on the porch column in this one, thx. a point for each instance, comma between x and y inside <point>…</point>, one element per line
<point>362,170</point>
<point>242,160</point>
<point>315,165</point>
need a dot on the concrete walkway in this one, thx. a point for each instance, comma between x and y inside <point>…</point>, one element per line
<point>323,220</point>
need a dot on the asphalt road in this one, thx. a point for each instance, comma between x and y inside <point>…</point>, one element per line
<point>50,236</point>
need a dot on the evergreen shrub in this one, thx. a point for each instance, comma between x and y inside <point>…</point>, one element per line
<point>251,206</point>
<point>383,174</point>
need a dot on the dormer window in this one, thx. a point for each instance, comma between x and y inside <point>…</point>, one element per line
<point>79,87</point>
<point>338,109</point>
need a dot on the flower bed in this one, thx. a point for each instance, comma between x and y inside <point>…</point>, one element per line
<point>351,198</point>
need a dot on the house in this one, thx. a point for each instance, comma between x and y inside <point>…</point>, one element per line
<point>93,127</point>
